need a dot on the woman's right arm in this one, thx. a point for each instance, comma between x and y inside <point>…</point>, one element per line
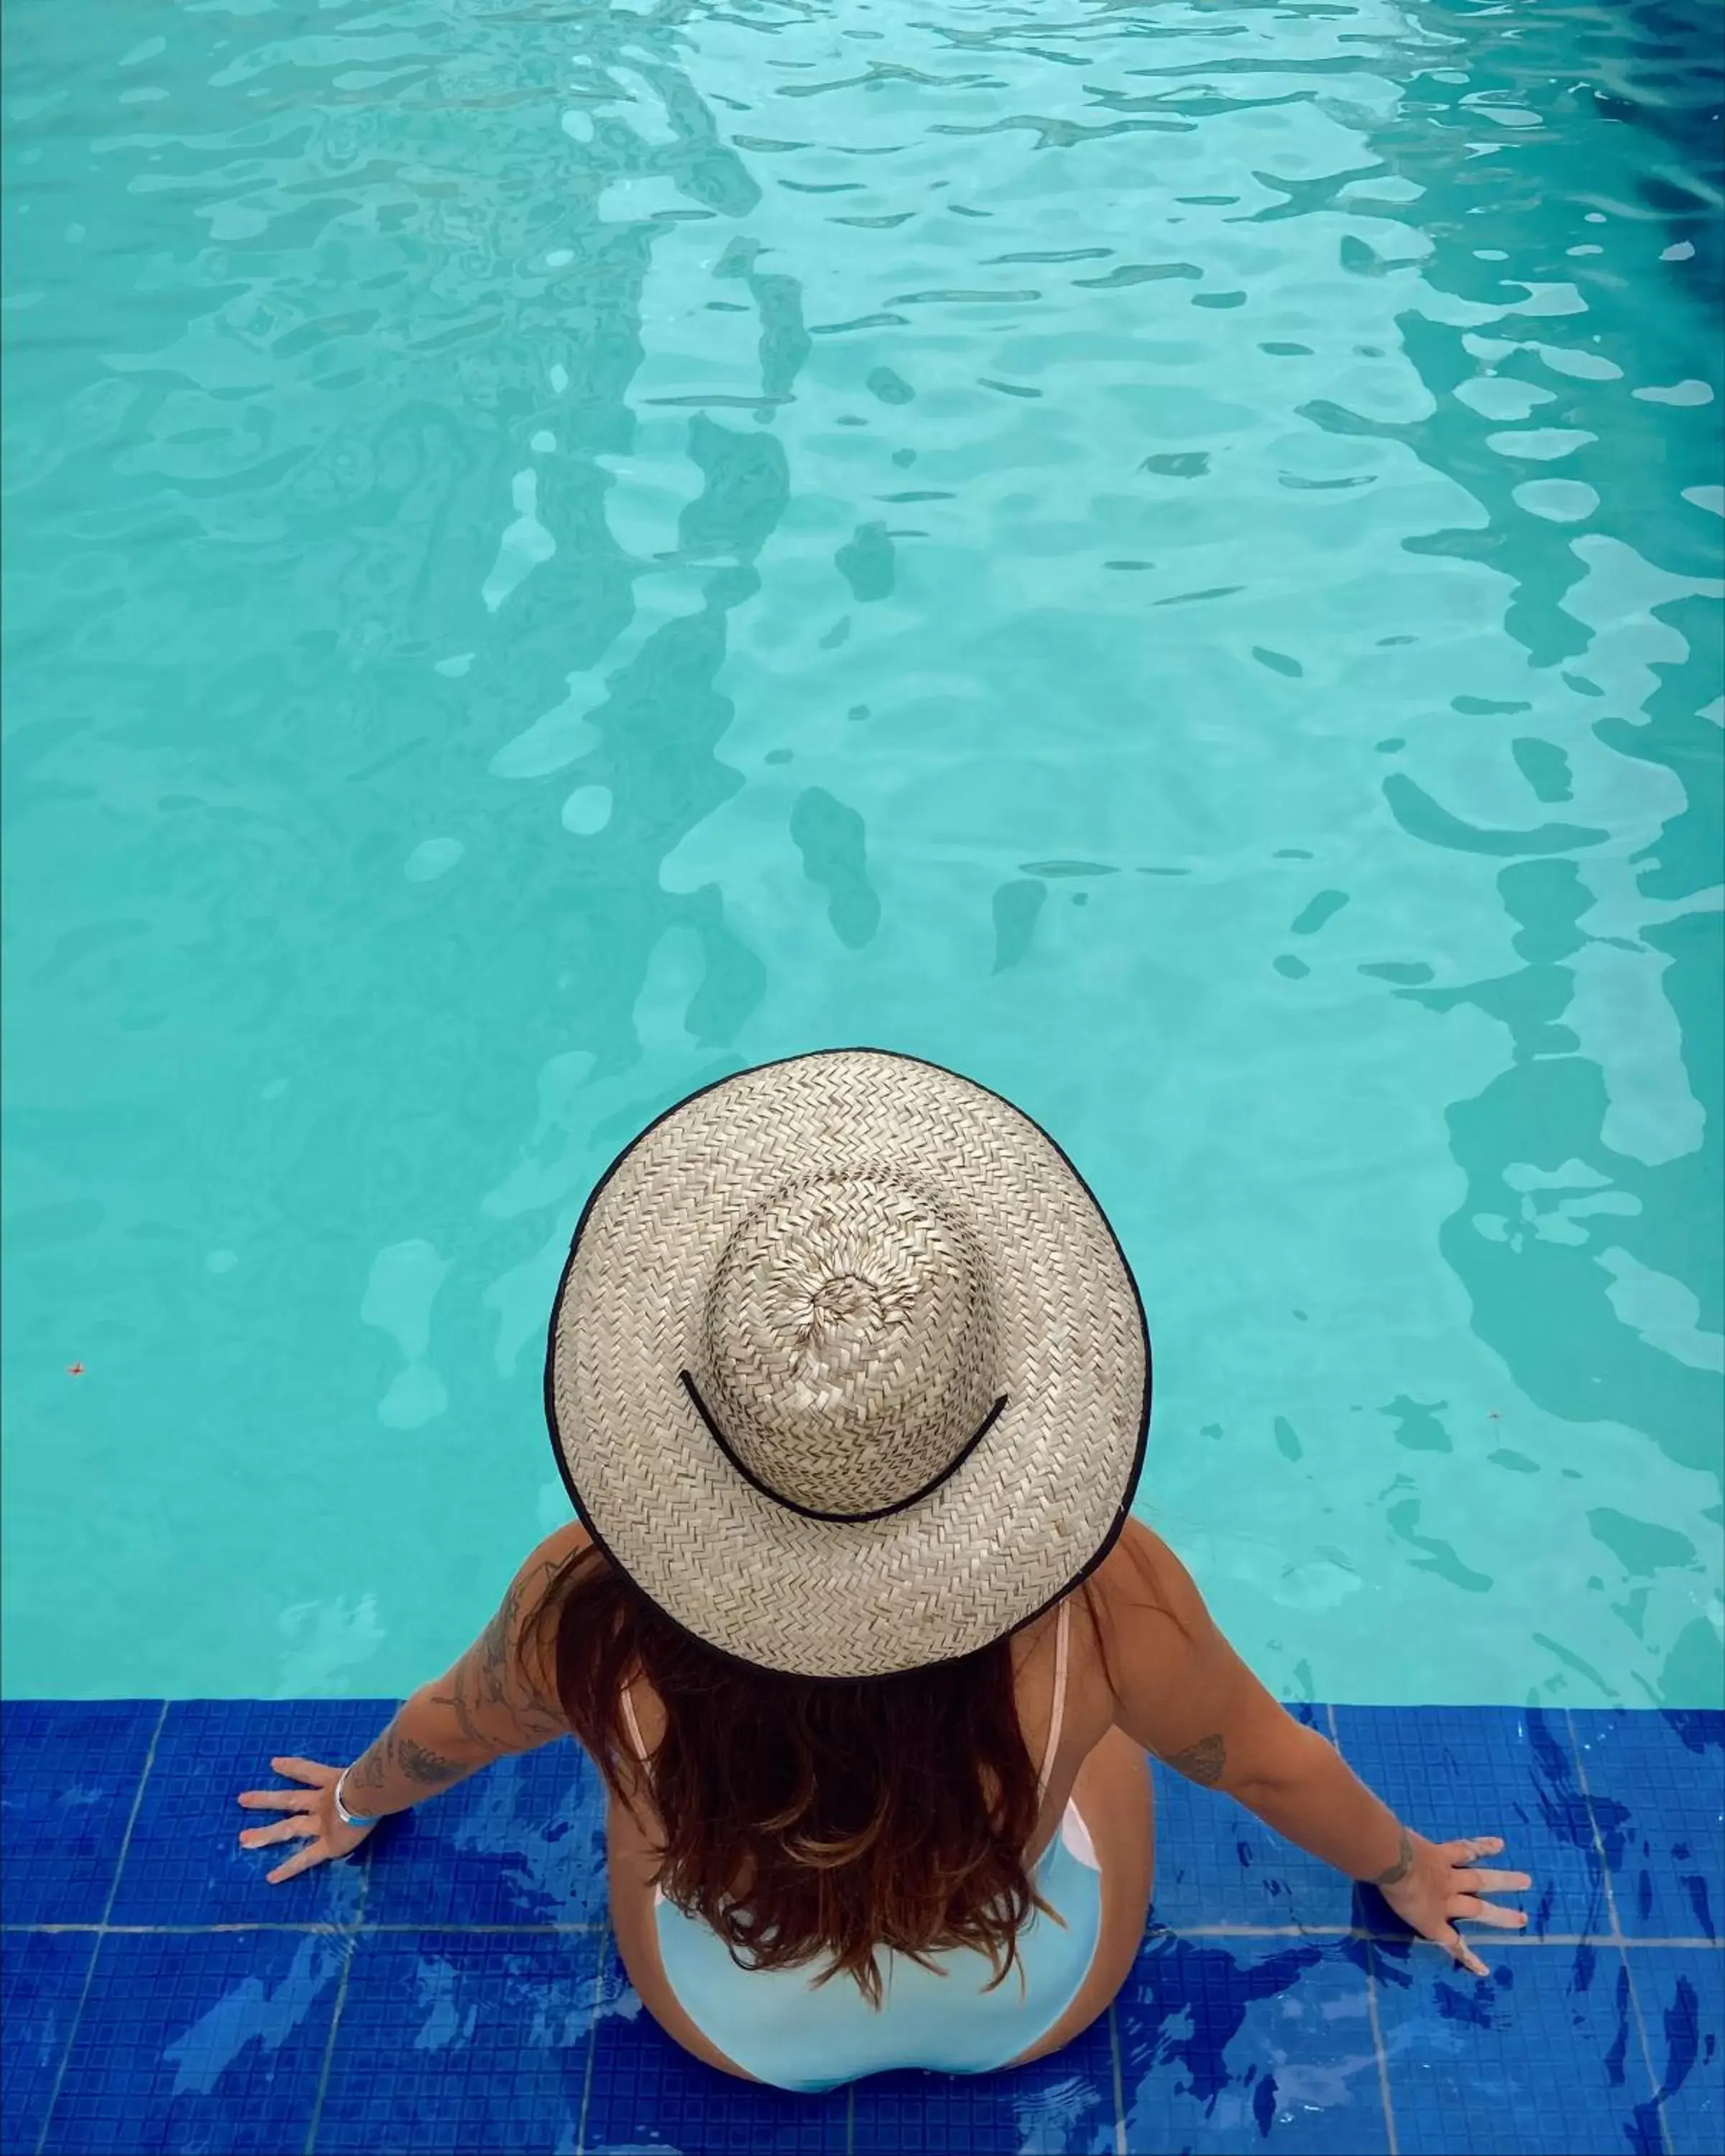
<point>500,1697</point>
<point>1183,1694</point>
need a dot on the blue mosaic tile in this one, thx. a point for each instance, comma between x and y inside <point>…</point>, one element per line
<point>41,1980</point>
<point>1455,1771</point>
<point>185,1865</point>
<point>1064,2102</point>
<point>1541,2058</point>
<point>461,2041</point>
<point>1217,1863</point>
<point>647,2092</point>
<point>1059,2104</point>
<point>1682,1995</point>
<point>522,1843</point>
<point>1230,2045</point>
<point>69,1772</point>
<point>489,2039</point>
<point>211,2041</point>
<point>1657,1784</point>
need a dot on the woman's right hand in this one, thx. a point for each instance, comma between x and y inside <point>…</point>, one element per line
<point>1440,1885</point>
<point>312,1818</point>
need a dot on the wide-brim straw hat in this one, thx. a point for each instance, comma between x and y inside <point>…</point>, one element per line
<point>848,1372</point>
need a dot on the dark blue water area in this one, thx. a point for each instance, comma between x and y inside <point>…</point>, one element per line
<point>456,1987</point>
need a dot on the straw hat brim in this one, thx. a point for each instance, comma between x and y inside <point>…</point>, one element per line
<point>1030,1510</point>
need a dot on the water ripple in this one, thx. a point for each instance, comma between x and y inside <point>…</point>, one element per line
<point>551,554</point>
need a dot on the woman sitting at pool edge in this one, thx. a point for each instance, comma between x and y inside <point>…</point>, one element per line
<point>849,1381</point>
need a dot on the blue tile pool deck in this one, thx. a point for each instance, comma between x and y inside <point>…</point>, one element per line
<point>456,1987</point>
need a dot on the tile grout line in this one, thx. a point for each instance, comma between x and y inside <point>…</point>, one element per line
<point>1120,2147</point>
<point>59,2079</point>
<point>329,2048</point>
<point>1697,1943</point>
<point>320,1928</point>
<point>1689,1942</point>
<point>593,2041</point>
<point>1655,2086</point>
<point>1391,2140</point>
<point>850,2119</point>
<point>1383,2057</point>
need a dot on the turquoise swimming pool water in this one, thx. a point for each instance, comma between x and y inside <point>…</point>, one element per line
<point>1166,556</point>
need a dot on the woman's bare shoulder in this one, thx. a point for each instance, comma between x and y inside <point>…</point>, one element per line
<point>1153,1619</point>
<point>520,1626</point>
<point>1140,1572</point>
<point>559,1546</point>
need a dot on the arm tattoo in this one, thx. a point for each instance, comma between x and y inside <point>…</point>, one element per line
<point>496,1705</point>
<point>420,1764</point>
<point>1204,1762</point>
<point>392,1753</point>
<point>1402,1865</point>
<point>491,1695</point>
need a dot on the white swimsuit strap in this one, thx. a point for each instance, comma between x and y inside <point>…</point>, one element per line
<point>635,1727</point>
<point>1057,1713</point>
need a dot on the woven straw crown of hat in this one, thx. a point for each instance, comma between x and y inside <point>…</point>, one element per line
<point>847,1371</point>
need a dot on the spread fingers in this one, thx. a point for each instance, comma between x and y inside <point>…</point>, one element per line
<point>1488,1912</point>
<point>299,1828</point>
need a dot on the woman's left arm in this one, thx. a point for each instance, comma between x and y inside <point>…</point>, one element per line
<point>494,1701</point>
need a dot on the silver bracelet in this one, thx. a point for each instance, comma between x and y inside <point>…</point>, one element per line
<point>346,1817</point>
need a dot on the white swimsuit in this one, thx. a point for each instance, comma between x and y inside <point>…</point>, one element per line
<point>777,2025</point>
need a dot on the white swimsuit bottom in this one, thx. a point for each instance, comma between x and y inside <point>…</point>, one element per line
<point>778,2026</point>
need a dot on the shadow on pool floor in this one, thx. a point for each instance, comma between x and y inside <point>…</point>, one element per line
<point>456,1988</point>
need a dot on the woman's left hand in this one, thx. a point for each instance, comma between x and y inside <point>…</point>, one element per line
<point>311,1817</point>
<point>1441,1884</point>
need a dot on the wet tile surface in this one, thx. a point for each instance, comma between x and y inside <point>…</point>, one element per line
<point>452,2040</point>
<point>185,1865</point>
<point>646,2092</point>
<point>1543,2056</point>
<point>1646,1777</point>
<point>1064,2101</point>
<point>1452,1772</point>
<point>202,2040</point>
<point>41,1983</point>
<point>70,1776</point>
<point>458,1990</point>
<point>1230,2044</point>
<point>1681,1996</point>
<point>523,1843</point>
<point>1217,1864</point>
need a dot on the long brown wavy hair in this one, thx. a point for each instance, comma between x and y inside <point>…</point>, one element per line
<point>809,1819</point>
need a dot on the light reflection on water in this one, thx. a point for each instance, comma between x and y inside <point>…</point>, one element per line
<point>1166,556</point>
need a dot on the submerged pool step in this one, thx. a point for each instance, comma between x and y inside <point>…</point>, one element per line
<point>455,1987</point>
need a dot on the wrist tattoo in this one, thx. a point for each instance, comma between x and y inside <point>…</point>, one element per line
<point>367,1771</point>
<point>1402,1865</point>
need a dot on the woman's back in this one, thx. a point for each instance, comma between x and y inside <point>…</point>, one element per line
<point>941,2010</point>
<point>1077,1714</point>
